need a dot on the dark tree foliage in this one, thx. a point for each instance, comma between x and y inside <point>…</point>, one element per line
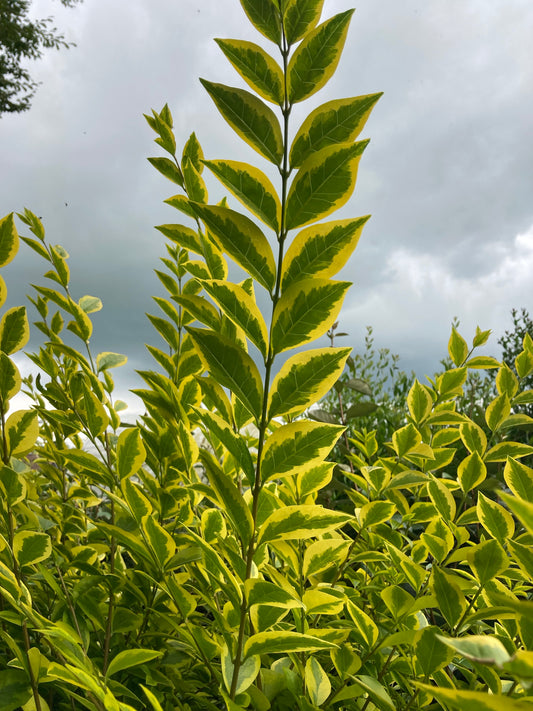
<point>22,38</point>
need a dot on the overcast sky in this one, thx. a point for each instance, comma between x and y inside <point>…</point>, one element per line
<point>448,175</point>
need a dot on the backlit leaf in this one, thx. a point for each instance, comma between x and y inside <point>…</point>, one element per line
<point>241,308</point>
<point>304,379</point>
<point>264,16</point>
<point>337,121</point>
<point>9,239</point>
<point>316,58</point>
<point>305,311</point>
<point>14,330</point>
<point>297,444</point>
<point>242,240</point>
<point>280,642</point>
<point>107,360</point>
<point>300,16</point>
<point>321,250</point>
<point>231,366</point>
<point>324,183</point>
<point>90,304</point>
<point>130,452</point>
<point>300,522</point>
<point>256,67</point>
<point>251,186</point>
<point>250,118</point>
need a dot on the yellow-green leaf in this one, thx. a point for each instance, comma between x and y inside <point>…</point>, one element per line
<point>182,235</point>
<point>431,653</point>
<point>305,311</point>
<point>474,439</point>
<point>30,547</point>
<point>317,682</point>
<point>231,366</point>
<point>419,402</point>
<point>487,560</point>
<point>242,240</point>
<point>300,522</point>
<point>471,472</point>
<point>21,432</point>
<point>473,700</point>
<point>234,443</point>
<point>442,499</point>
<point>161,542</point>
<point>167,168</point>
<point>452,602</point>
<point>251,186</point>
<point>457,348</point>
<point>250,118</point>
<point>496,520</point>
<point>299,17</point>
<point>93,412</point>
<point>281,642</point>
<point>337,121</point>
<point>295,445</point>
<point>3,291</point>
<point>365,628</point>
<point>10,380</point>
<point>12,486</point>
<point>256,67</point>
<point>130,658</point>
<point>304,379</point>
<point>321,250</point>
<point>519,478</point>
<point>321,555</point>
<point>523,510</point>
<point>264,16</point>
<point>497,411</point>
<point>14,330</point>
<point>316,58</point>
<point>9,239</point>
<point>502,450</point>
<point>248,670</point>
<point>107,360</point>
<point>194,183</point>
<point>240,308</point>
<point>130,452</point>
<point>90,304</point>
<point>324,183</point>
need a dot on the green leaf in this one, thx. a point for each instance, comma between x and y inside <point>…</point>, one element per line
<point>376,691</point>
<point>366,629</point>
<point>248,670</point>
<point>375,512</point>
<point>152,698</point>
<point>167,168</point>
<point>305,311</point>
<point>483,362</point>
<point>314,478</point>
<point>405,440</point>
<point>251,186</point>
<point>431,653</point>
<point>242,240</point>
<point>299,17</point>
<point>471,472</point>
<point>280,642</point>
<point>130,452</point>
<point>324,183</point>
<point>523,510</point>
<point>473,437</point>
<point>12,486</point>
<point>321,250</point>
<point>256,67</point>
<point>15,689</point>
<point>88,463</point>
<point>194,184</point>
<point>240,308</point>
<point>9,239</point>
<point>487,560</point>
<point>315,60</point>
<point>193,151</point>
<point>337,121</point>
<point>321,555</point>
<point>130,658</point>
<point>457,348</point>
<point>304,379</point>
<point>474,700</point>
<point>502,450</point>
<point>3,291</point>
<point>317,682</point>
<point>300,522</point>
<point>229,497</point>
<point>107,360</point>
<point>296,445</point>
<point>159,540</point>
<point>497,411</point>
<point>138,504</point>
<point>519,478</point>
<point>90,304</point>
<point>10,380</point>
<point>250,118</point>
<point>21,432</point>
<point>14,330</point>
<point>442,499</point>
<point>231,366</point>
<point>93,412</point>
<point>200,309</point>
<point>264,16</point>
<point>31,547</point>
<point>496,520</point>
<point>184,236</point>
<point>234,443</point>
<point>479,648</point>
<point>452,602</point>
<point>419,402</point>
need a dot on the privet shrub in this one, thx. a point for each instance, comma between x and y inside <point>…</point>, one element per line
<point>139,570</point>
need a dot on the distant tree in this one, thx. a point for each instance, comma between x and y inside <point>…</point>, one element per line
<point>22,38</point>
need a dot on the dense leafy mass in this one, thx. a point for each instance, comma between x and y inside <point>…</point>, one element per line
<point>186,561</point>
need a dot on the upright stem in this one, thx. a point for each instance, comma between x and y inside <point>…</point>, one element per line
<point>284,171</point>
